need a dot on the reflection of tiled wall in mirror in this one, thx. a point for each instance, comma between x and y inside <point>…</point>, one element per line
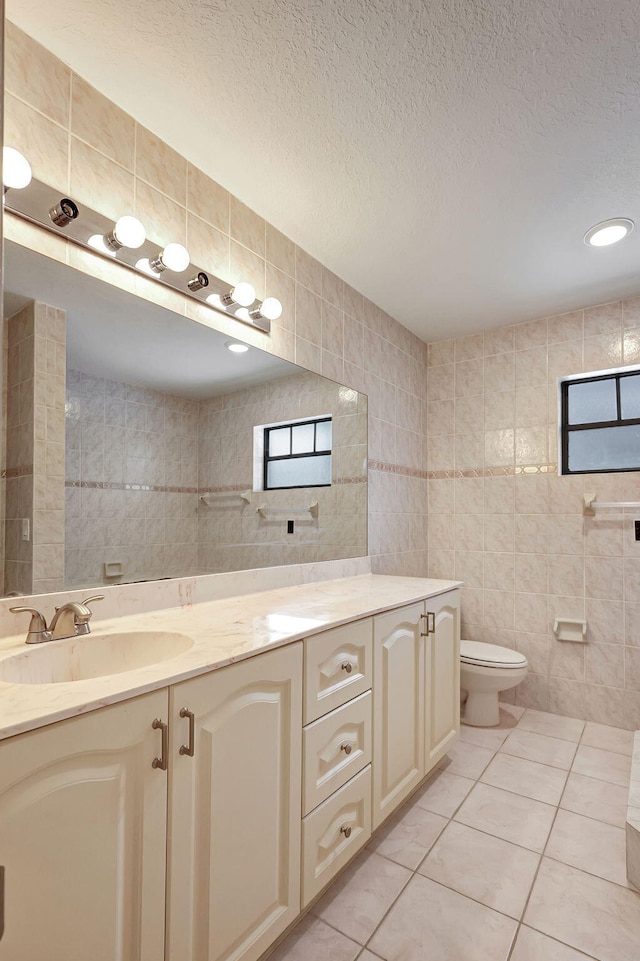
<point>122,439</point>
<point>34,458</point>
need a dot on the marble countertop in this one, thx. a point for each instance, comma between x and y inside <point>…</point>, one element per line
<point>223,631</point>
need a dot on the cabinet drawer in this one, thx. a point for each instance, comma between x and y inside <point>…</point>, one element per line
<point>337,667</point>
<point>335,748</point>
<point>333,833</point>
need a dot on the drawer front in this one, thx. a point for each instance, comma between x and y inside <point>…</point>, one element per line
<point>335,748</point>
<point>338,667</point>
<point>333,833</point>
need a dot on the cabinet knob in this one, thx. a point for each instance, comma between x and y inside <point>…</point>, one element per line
<point>347,667</point>
<point>346,832</point>
<point>346,748</point>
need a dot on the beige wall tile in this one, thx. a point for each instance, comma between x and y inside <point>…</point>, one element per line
<point>159,165</point>
<point>99,182</point>
<point>44,143</point>
<point>247,227</point>
<point>100,123</point>
<point>36,76</point>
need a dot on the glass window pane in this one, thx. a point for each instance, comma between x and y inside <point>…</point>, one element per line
<point>302,442</point>
<point>630,396</point>
<point>606,448</point>
<point>592,401</point>
<point>323,435</point>
<point>304,472</point>
<point>279,442</point>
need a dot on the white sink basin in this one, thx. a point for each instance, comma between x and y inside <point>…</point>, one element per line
<point>92,655</point>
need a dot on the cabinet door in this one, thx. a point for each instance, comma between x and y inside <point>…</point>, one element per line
<point>234,851</point>
<point>398,708</point>
<point>442,684</point>
<point>83,837</point>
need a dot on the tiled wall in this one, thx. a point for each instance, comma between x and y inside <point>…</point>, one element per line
<point>79,141</point>
<point>502,519</point>
<point>232,535</point>
<point>123,441</point>
<point>119,435</point>
<point>35,450</point>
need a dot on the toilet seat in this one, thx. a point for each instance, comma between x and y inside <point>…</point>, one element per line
<point>490,655</point>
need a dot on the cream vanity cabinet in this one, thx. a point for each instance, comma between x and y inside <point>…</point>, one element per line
<point>234,808</point>
<point>195,822</point>
<point>91,831</point>
<point>416,695</point>
<point>82,837</point>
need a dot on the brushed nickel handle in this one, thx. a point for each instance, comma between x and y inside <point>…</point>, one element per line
<point>346,748</point>
<point>346,666</point>
<point>425,618</point>
<point>161,762</point>
<point>431,622</point>
<point>346,832</point>
<point>189,748</point>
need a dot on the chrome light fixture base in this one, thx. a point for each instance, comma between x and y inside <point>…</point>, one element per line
<point>44,207</point>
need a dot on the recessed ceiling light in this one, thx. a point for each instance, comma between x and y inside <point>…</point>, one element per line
<point>608,232</point>
<point>236,347</point>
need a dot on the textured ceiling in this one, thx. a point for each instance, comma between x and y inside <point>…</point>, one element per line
<point>444,157</point>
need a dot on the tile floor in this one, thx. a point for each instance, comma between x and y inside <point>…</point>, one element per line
<point>514,849</point>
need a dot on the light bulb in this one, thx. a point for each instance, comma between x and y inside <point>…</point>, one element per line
<point>608,232</point>
<point>235,347</point>
<point>16,169</point>
<point>98,242</point>
<point>144,265</point>
<point>242,294</point>
<point>174,257</point>
<point>214,300</point>
<point>270,308</point>
<point>127,232</point>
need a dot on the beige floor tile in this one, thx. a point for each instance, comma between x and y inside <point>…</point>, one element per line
<point>469,760</point>
<point>533,946</point>
<point>508,816</point>
<point>409,835</point>
<point>589,845</point>
<point>594,916</point>
<point>485,868</point>
<point>538,747</point>
<point>608,738</point>
<point>553,725</point>
<point>430,921</point>
<point>604,765</point>
<point>444,793</point>
<point>360,897</point>
<point>313,940</point>
<point>365,956</point>
<point>489,737</point>
<point>538,781</point>
<point>596,799</point>
<point>510,714</point>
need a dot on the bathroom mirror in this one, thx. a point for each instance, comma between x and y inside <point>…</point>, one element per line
<point>135,443</point>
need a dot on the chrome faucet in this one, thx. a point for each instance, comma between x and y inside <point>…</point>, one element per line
<point>70,620</point>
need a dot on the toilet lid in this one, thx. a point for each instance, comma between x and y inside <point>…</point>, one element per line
<point>490,655</point>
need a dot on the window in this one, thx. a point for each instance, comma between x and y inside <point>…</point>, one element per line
<point>297,454</point>
<point>600,422</point>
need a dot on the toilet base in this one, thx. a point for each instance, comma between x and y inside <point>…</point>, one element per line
<point>482,709</point>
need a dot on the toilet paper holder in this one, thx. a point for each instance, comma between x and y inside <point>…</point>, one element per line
<point>570,629</point>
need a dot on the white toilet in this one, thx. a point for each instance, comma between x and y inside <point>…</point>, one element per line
<point>485,670</point>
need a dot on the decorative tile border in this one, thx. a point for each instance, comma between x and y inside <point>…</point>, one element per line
<point>468,472</point>
<point>9,472</point>
<point>172,489</point>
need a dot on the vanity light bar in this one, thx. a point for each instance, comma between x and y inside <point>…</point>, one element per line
<point>125,242</point>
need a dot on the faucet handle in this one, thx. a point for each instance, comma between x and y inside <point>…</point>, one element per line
<point>37,624</point>
<point>94,597</point>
